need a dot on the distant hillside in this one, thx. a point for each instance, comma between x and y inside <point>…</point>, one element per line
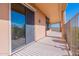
<point>56,29</point>
<point>16,25</point>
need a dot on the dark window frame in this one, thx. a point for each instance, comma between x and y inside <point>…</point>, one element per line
<point>47,23</point>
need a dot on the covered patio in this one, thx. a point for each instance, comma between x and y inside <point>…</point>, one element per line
<point>52,45</point>
<point>46,42</point>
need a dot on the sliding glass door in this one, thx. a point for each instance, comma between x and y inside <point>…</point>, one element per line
<point>18,26</point>
<point>22,25</point>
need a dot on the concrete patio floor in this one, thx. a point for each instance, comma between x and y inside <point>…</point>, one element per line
<point>52,45</point>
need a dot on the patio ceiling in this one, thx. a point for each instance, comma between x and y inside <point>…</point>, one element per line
<point>51,10</point>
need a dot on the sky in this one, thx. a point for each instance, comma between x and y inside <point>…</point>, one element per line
<point>17,18</point>
<point>71,10</point>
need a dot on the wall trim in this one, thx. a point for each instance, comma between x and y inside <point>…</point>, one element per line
<point>29,7</point>
<point>10,29</point>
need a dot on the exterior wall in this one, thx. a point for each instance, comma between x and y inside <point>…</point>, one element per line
<point>4,29</point>
<point>40,25</point>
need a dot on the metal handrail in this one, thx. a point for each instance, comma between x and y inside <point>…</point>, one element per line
<point>72,34</point>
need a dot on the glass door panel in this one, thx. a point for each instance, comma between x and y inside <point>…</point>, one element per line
<point>18,29</point>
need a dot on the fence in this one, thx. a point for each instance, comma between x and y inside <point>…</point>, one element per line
<point>72,34</point>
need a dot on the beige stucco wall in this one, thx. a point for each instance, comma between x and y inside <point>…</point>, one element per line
<point>39,27</point>
<point>5,35</point>
<point>4,29</point>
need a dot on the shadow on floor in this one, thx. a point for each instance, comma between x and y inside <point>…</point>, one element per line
<point>55,37</point>
<point>60,41</point>
<point>62,48</point>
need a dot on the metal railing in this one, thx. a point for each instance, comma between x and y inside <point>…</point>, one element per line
<point>72,34</point>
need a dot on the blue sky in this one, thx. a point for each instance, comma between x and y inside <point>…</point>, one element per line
<point>55,25</point>
<point>17,18</point>
<point>71,10</point>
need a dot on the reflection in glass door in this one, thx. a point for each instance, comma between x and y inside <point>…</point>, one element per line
<point>17,27</point>
<point>22,23</point>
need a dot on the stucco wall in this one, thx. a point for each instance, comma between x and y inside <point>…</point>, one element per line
<point>4,29</point>
<point>40,25</point>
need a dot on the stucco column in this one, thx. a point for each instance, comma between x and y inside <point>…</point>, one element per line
<point>62,24</point>
<point>50,28</point>
<point>60,27</point>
